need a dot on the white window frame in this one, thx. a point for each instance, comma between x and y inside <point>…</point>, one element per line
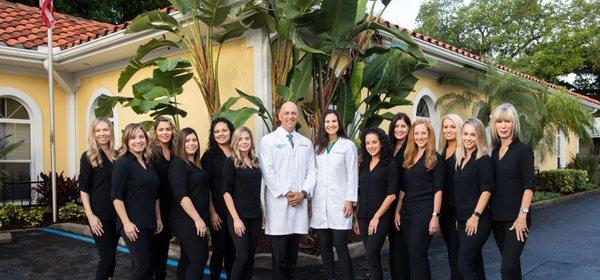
<point>35,125</point>
<point>434,117</point>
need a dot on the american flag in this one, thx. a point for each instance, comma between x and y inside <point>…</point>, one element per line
<point>46,10</point>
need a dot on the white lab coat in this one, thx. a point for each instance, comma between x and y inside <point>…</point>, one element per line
<point>337,182</point>
<point>286,169</point>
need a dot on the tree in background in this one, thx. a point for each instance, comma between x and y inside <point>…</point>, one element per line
<point>111,11</point>
<point>546,38</point>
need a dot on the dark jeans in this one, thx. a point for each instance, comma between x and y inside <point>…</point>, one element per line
<point>415,225</point>
<point>399,265</point>
<point>329,238</point>
<point>373,244</point>
<point>222,250</point>
<point>284,250</point>
<point>194,249</point>
<point>245,247</point>
<point>470,259</point>
<point>141,254</point>
<point>107,249</point>
<point>510,249</point>
<point>160,247</point>
<point>450,235</point>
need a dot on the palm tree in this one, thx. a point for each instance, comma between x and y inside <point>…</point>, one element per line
<point>542,113</point>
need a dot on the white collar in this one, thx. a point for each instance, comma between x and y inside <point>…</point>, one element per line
<point>284,132</point>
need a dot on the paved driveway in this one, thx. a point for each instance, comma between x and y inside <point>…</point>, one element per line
<point>564,244</point>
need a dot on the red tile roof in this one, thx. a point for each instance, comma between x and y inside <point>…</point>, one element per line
<point>483,60</point>
<point>21,26</point>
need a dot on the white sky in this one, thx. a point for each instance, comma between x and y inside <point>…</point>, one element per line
<point>402,12</point>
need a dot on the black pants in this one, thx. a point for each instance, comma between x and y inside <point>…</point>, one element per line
<point>373,244</point>
<point>222,250</point>
<point>470,259</point>
<point>245,247</point>
<point>399,267</point>
<point>107,249</point>
<point>329,238</point>
<point>415,225</point>
<point>141,254</point>
<point>450,235</point>
<point>160,247</point>
<point>510,249</point>
<point>284,250</point>
<point>194,249</point>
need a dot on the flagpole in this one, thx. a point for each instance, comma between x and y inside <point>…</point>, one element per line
<point>52,135</point>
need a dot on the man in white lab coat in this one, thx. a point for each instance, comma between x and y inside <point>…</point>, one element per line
<point>287,162</point>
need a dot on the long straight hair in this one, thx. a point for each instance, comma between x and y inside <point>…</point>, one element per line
<point>155,146</point>
<point>482,143</point>
<point>128,134</point>
<point>504,112</point>
<point>410,154</point>
<point>236,155</point>
<point>93,152</point>
<point>458,122</point>
<point>395,119</point>
<point>180,146</point>
<point>322,137</point>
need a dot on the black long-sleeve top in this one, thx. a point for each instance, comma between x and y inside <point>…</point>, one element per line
<point>96,183</point>
<point>513,174</point>
<point>213,161</point>
<point>189,180</point>
<point>476,177</point>
<point>374,186</point>
<point>161,164</point>
<point>399,159</point>
<point>449,188</point>
<point>137,187</point>
<point>243,184</point>
<point>419,184</point>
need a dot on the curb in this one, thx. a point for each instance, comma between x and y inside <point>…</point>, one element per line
<point>562,199</point>
<point>5,237</point>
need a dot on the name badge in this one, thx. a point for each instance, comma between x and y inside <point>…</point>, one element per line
<point>279,146</point>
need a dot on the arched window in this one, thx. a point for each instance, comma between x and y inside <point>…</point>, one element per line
<point>15,125</point>
<point>112,117</point>
<point>423,110</point>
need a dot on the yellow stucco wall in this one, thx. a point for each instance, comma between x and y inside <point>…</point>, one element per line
<point>37,89</point>
<point>236,70</point>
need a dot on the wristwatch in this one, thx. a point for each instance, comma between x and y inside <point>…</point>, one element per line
<point>524,210</point>
<point>477,214</point>
<point>435,214</point>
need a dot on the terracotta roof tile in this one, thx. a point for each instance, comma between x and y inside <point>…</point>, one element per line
<point>22,27</point>
<point>481,59</point>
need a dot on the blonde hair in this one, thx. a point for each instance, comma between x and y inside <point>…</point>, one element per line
<point>236,155</point>
<point>458,122</point>
<point>504,112</point>
<point>180,146</point>
<point>410,154</point>
<point>154,144</point>
<point>129,132</point>
<point>482,143</point>
<point>93,148</point>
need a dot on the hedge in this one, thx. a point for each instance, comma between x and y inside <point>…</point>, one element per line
<point>562,180</point>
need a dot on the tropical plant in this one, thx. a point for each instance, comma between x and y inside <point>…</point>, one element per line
<point>590,163</point>
<point>66,189</point>
<point>5,149</point>
<point>323,47</point>
<point>70,211</point>
<point>34,216</point>
<point>542,113</point>
<point>199,33</point>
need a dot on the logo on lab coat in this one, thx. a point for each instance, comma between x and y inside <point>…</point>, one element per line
<point>280,146</point>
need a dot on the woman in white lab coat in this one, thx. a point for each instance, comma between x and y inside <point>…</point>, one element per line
<point>335,192</point>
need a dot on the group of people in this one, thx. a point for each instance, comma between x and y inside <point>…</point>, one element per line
<point>397,186</point>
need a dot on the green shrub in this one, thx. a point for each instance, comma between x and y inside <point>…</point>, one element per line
<point>70,211</point>
<point>34,216</point>
<point>590,163</point>
<point>10,213</point>
<point>589,186</point>
<point>540,196</point>
<point>562,180</point>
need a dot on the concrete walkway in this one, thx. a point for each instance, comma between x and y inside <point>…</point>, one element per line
<point>564,244</point>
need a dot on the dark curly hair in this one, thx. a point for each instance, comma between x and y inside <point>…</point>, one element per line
<point>213,146</point>
<point>386,153</point>
<point>322,137</point>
